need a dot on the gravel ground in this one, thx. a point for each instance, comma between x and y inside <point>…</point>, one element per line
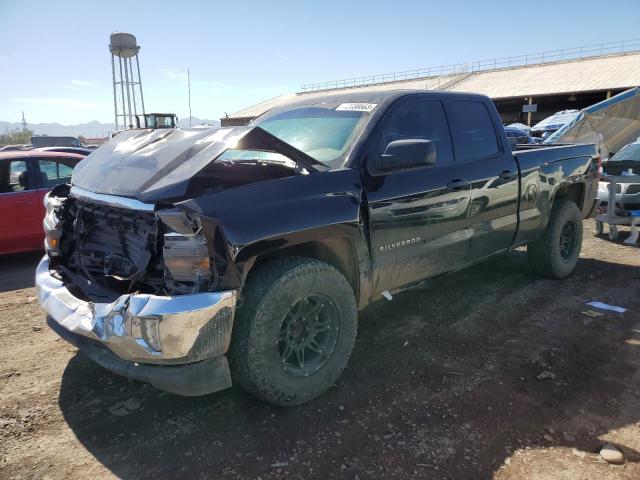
<point>487,373</point>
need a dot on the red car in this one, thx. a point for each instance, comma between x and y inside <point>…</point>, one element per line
<point>25,178</point>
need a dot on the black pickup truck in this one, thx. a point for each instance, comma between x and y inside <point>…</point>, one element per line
<point>191,258</point>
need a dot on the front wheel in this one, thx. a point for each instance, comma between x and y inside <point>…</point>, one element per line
<point>294,331</point>
<point>555,255</point>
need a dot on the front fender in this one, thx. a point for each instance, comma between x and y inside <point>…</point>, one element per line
<point>274,215</point>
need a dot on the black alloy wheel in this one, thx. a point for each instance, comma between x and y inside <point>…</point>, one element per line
<point>568,240</point>
<point>308,335</point>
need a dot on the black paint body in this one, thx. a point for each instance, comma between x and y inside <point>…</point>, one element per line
<point>383,231</point>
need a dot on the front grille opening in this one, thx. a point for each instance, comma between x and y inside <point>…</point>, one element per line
<point>115,248</point>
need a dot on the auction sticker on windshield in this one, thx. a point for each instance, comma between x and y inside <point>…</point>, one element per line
<point>356,107</point>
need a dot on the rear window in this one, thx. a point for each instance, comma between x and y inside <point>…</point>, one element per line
<point>54,172</point>
<point>472,129</point>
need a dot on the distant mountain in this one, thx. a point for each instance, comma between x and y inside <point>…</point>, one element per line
<point>91,129</point>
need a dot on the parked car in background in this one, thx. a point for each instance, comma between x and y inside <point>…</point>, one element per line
<point>25,178</point>
<point>13,148</point>
<point>39,141</point>
<point>79,151</point>
<point>627,194</point>
<point>549,125</point>
<point>520,137</point>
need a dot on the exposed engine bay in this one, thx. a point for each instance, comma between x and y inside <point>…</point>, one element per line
<point>113,247</point>
<point>108,250</point>
<point>107,242</point>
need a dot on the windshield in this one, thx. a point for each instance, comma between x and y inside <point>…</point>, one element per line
<point>325,133</point>
<point>630,153</point>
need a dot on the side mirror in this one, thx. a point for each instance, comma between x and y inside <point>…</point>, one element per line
<point>406,154</point>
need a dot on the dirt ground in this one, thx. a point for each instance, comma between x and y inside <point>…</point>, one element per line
<point>443,383</point>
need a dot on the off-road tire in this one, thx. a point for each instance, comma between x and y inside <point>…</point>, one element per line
<point>544,254</point>
<point>270,291</point>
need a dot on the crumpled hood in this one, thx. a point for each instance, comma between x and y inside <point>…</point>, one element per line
<point>152,165</point>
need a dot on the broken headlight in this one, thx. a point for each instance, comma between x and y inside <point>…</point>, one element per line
<point>185,250</point>
<point>51,224</point>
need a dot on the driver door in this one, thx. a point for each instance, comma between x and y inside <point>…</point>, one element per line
<point>418,218</point>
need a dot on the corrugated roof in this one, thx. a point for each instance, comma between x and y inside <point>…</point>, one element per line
<point>589,74</point>
<point>605,73</point>
<point>432,83</point>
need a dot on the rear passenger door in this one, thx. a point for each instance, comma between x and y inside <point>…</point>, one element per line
<point>491,169</point>
<point>418,218</point>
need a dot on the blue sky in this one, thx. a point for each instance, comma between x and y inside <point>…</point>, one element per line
<point>55,62</point>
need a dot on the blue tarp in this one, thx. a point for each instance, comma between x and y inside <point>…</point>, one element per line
<point>555,121</point>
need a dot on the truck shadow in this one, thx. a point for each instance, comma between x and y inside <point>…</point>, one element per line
<point>445,377</point>
<point>17,270</point>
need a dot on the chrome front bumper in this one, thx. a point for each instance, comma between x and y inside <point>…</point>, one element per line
<point>141,327</point>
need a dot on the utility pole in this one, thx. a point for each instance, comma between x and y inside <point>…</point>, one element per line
<point>24,123</point>
<point>189,84</point>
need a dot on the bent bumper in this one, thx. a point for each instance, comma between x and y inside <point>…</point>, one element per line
<point>141,327</point>
<point>191,379</point>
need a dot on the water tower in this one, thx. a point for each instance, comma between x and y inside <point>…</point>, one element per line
<point>127,84</point>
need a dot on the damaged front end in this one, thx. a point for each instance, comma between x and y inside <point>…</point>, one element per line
<point>135,289</point>
<point>137,282</point>
<point>120,246</point>
<point>118,231</point>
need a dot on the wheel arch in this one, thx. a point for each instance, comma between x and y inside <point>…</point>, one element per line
<point>571,191</point>
<point>337,251</point>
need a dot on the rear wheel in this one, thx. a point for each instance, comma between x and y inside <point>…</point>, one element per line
<point>555,255</point>
<point>294,332</point>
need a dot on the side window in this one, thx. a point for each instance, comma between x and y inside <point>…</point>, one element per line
<point>472,129</point>
<point>14,176</point>
<point>64,172</point>
<point>424,119</point>
<point>54,172</point>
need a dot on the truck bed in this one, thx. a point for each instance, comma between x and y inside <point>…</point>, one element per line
<point>546,171</point>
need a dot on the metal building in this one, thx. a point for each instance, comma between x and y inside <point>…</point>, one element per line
<point>525,89</point>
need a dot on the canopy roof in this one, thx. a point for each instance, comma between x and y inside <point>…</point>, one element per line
<point>610,124</point>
